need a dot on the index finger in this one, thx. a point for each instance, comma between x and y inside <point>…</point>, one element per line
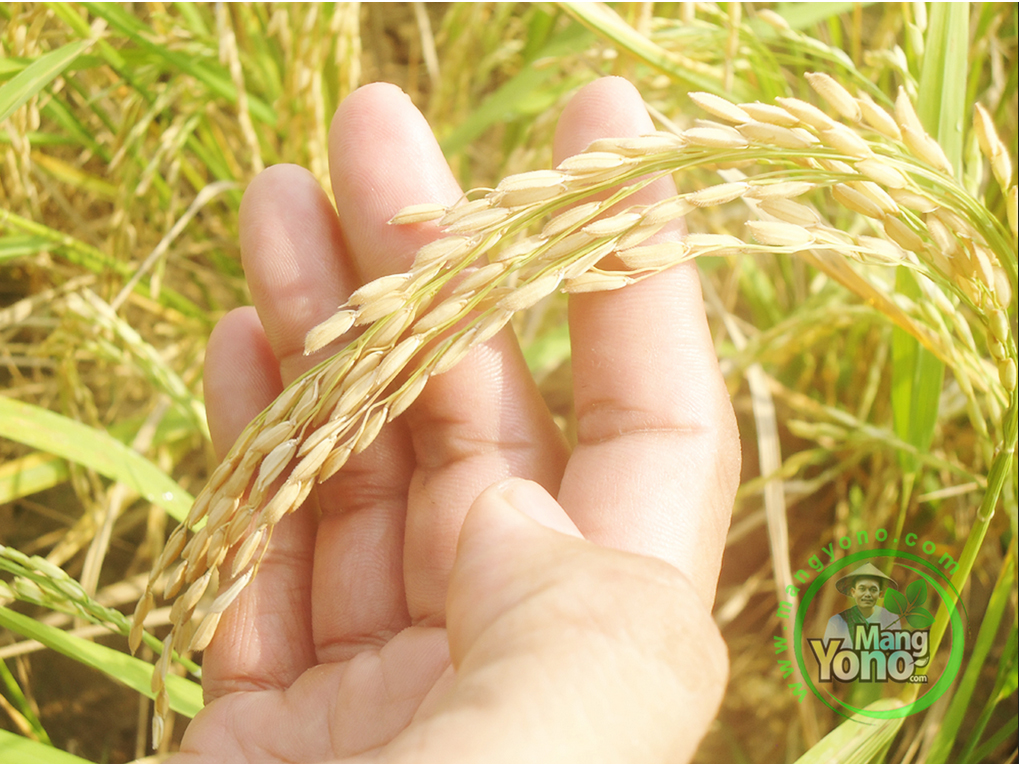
<point>657,461</point>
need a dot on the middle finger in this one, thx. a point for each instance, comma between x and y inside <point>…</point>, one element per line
<point>478,423</point>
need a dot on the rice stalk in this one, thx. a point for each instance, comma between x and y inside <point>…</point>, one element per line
<point>464,287</point>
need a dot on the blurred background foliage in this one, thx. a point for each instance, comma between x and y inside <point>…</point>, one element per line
<point>127,135</point>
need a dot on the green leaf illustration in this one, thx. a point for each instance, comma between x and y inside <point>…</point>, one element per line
<point>916,593</point>
<point>895,602</point>
<point>920,618</point>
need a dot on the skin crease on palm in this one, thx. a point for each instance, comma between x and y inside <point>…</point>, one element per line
<point>406,613</point>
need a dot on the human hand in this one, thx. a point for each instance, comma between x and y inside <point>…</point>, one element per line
<point>406,613</point>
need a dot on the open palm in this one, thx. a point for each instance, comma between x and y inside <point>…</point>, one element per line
<point>382,624</point>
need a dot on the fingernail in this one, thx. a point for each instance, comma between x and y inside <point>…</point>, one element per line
<point>531,499</point>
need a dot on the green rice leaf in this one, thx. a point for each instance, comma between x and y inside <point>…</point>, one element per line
<point>15,246</point>
<point>692,74</point>
<point>92,448</point>
<point>917,375</point>
<point>805,15</point>
<point>21,705</point>
<point>38,75</point>
<point>942,100</point>
<point>30,474</point>
<point>185,695</point>
<point>963,699</point>
<point>15,749</point>
<point>213,76</point>
<point>855,743</point>
<point>78,252</point>
<point>917,378</point>
<point>511,99</point>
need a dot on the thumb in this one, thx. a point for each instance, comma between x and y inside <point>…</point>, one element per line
<point>511,533</point>
<point>595,653</point>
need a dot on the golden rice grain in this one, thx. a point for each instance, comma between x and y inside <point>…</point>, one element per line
<point>529,188</point>
<point>774,135</point>
<point>770,114</point>
<point>666,211</point>
<point>912,201</point>
<point>481,220</point>
<point>612,226</point>
<point>518,249</point>
<point>568,219</point>
<point>308,467</point>
<point>353,396</point>
<point>372,311</point>
<point>878,118</point>
<point>593,162</point>
<point>590,259</point>
<point>716,137</point>
<point>307,403</point>
<point>194,593</point>
<point>596,282</point>
<point>284,501</point>
<point>450,353</point>
<point>857,202</point>
<point>639,234</point>
<point>902,234</point>
<point>714,244</point>
<point>532,180</point>
<point>226,597</point>
<point>788,211</point>
<point>491,325</point>
<point>880,171</point>
<point>380,288</point>
<point>483,276</point>
<point>644,145</point>
<point>880,251</point>
<point>372,427</point>
<point>406,395</point>
<point>905,114</point>
<point>566,246</point>
<point>441,315</point>
<point>780,190</point>
<point>806,113</point>
<point>944,239</point>
<point>334,462</point>
<point>1007,374</point>
<point>876,194</point>
<point>1012,210</point>
<point>397,358</point>
<point>655,256</point>
<point>841,138</point>
<point>145,604</point>
<point>927,149</point>
<point>449,248</point>
<point>392,326</point>
<point>205,632</point>
<point>527,295</point>
<point>718,194</point>
<point>720,107</point>
<point>418,213</point>
<point>462,209</point>
<point>245,552</point>
<point>275,462</point>
<point>778,234</point>
<point>175,580</point>
<point>837,96</point>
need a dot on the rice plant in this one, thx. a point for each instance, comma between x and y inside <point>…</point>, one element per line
<point>847,169</point>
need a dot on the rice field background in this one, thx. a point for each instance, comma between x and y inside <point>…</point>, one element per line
<point>874,382</point>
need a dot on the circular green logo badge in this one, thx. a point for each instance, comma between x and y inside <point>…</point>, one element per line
<point>882,632</point>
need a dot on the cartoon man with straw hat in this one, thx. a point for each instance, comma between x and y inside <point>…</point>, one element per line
<point>865,585</point>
